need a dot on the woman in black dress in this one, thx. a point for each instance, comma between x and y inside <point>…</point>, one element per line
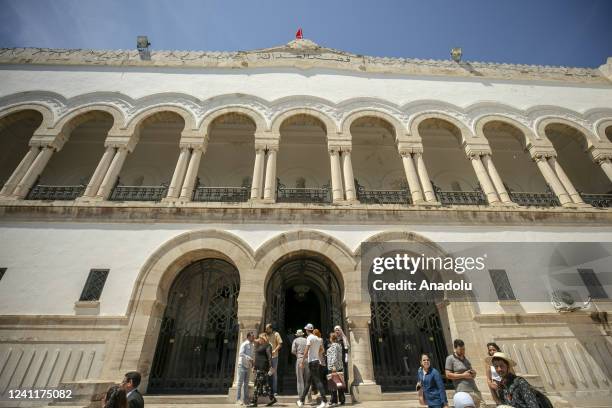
<point>262,367</point>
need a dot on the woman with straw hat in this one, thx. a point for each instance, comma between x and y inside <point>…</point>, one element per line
<point>514,390</point>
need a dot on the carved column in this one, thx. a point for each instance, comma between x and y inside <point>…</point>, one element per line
<point>412,177</point>
<point>483,179</point>
<point>270,186</point>
<point>565,181</point>
<point>496,179</point>
<point>100,172</point>
<point>363,384</point>
<point>192,172</point>
<point>553,181</point>
<point>34,171</point>
<point>424,177</point>
<point>20,171</point>
<point>174,190</point>
<point>108,183</point>
<point>349,178</point>
<point>336,175</point>
<point>260,155</point>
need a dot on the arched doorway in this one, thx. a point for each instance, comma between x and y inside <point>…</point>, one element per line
<point>197,343</point>
<point>400,331</point>
<point>301,291</point>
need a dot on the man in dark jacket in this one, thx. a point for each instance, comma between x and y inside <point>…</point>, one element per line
<point>130,385</point>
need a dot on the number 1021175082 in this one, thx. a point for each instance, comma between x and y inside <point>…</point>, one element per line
<point>39,394</point>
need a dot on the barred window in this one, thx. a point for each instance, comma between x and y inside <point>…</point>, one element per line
<point>2,270</point>
<point>94,285</point>
<point>502,284</point>
<point>594,286</point>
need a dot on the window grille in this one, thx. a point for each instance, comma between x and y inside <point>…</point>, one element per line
<point>594,286</point>
<point>502,284</point>
<point>94,285</point>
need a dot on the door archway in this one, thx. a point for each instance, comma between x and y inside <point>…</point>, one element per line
<point>300,291</point>
<point>197,342</point>
<point>400,331</point>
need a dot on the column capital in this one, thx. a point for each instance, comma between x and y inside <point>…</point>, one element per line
<point>406,148</point>
<point>601,154</point>
<point>339,145</point>
<point>200,145</point>
<point>55,141</point>
<point>476,149</point>
<point>192,139</point>
<point>121,139</point>
<point>545,152</point>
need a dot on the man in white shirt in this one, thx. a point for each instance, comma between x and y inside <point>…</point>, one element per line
<point>314,348</point>
<point>245,365</point>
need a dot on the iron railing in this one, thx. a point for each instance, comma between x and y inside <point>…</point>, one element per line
<point>45,192</point>
<point>138,193</point>
<point>476,197</point>
<point>303,195</point>
<point>221,194</point>
<point>527,199</point>
<point>598,200</point>
<point>383,196</point>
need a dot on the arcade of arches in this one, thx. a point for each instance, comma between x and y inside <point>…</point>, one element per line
<point>204,321</point>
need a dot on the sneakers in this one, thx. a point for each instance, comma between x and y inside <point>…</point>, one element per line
<point>323,404</point>
<point>299,403</point>
<point>274,401</point>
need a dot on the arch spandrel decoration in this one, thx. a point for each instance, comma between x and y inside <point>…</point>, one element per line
<point>399,129</point>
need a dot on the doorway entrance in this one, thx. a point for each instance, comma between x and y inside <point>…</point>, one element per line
<point>197,342</point>
<point>301,291</point>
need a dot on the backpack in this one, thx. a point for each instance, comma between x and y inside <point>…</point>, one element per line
<point>543,401</point>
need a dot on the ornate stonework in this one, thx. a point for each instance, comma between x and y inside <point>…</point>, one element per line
<point>302,54</point>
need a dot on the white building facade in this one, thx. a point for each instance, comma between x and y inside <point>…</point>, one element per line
<point>154,210</point>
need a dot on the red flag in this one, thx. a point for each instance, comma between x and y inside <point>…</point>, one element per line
<point>298,34</point>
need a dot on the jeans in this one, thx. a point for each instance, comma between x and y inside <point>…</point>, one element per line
<point>243,384</point>
<point>302,375</point>
<point>315,379</point>
<point>275,375</point>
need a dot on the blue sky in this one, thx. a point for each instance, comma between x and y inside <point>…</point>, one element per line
<point>547,32</point>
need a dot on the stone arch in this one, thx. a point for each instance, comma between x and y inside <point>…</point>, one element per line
<point>336,255</point>
<point>542,123</point>
<point>47,114</point>
<point>256,117</point>
<point>75,117</point>
<point>464,131</point>
<point>134,123</point>
<point>399,128</point>
<point>481,122</point>
<point>603,128</point>
<point>330,126</point>
<point>150,291</point>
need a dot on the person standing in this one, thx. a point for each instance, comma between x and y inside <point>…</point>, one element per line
<point>297,349</point>
<point>323,360</point>
<point>335,366</point>
<point>493,379</point>
<point>314,346</point>
<point>263,367</point>
<point>513,390</point>
<point>244,368</point>
<point>343,341</point>
<point>276,342</point>
<point>431,381</point>
<point>130,384</point>
<point>115,397</point>
<point>459,369</point>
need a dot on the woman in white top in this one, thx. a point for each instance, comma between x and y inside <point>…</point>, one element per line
<point>493,379</point>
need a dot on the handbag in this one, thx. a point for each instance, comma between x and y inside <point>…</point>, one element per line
<point>419,388</point>
<point>335,381</point>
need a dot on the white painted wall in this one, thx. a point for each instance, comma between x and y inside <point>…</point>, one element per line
<point>48,263</point>
<point>272,84</point>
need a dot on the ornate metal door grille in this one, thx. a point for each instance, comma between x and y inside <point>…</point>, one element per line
<point>198,338</point>
<point>399,332</point>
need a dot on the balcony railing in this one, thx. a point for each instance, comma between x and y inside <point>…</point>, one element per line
<point>383,196</point>
<point>598,200</point>
<point>302,194</point>
<point>221,194</point>
<point>475,197</point>
<point>44,192</point>
<point>138,193</point>
<point>546,199</point>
